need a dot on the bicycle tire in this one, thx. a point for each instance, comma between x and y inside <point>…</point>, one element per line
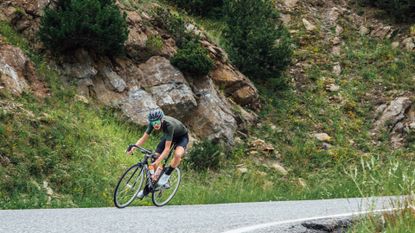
<point>175,178</point>
<point>118,201</point>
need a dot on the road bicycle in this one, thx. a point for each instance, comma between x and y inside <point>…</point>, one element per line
<point>138,176</point>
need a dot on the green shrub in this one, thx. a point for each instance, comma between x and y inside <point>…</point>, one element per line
<point>193,59</point>
<point>201,7</point>
<point>154,44</point>
<point>401,10</point>
<point>255,39</point>
<point>174,24</point>
<point>95,25</point>
<point>204,155</point>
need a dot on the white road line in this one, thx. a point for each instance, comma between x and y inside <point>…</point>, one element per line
<point>270,224</point>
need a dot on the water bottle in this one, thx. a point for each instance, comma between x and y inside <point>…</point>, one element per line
<point>151,169</point>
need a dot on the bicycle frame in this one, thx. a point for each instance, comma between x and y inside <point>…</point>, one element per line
<point>149,155</point>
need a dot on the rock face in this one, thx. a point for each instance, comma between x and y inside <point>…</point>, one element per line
<point>396,118</point>
<point>16,71</point>
<point>143,79</point>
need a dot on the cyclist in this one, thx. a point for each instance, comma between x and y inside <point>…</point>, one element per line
<point>174,133</point>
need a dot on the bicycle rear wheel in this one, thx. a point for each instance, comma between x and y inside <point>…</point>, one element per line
<point>128,186</point>
<point>163,194</point>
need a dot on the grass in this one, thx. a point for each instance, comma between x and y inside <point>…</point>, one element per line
<point>398,221</point>
<point>77,148</point>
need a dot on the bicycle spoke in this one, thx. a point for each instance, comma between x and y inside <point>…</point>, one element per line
<point>128,186</point>
<point>162,195</point>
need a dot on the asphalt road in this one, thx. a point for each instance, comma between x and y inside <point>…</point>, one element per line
<point>241,217</point>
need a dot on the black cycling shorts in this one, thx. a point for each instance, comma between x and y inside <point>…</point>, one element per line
<point>179,141</point>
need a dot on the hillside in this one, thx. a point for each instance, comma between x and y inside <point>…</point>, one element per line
<point>341,126</point>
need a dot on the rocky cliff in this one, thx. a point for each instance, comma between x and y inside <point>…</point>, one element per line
<point>214,106</point>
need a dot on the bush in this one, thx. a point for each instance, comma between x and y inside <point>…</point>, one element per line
<point>204,155</point>
<point>201,7</point>
<point>95,25</point>
<point>401,10</point>
<point>154,44</point>
<point>255,39</point>
<point>193,59</point>
<point>174,24</point>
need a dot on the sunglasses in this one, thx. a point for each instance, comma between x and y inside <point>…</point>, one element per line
<point>157,122</point>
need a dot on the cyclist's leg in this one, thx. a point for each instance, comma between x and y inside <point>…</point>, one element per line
<point>179,151</point>
<point>160,148</point>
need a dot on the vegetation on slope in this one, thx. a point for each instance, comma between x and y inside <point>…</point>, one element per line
<point>79,147</point>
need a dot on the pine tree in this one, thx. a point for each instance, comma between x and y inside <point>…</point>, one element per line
<point>256,41</point>
<point>95,25</point>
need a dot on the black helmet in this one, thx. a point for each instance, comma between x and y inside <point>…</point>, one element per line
<point>155,114</point>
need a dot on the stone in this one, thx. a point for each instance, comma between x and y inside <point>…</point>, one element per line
<point>261,145</point>
<point>4,160</point>
<point>280,169</point>
<point>285,18</point>
<point>117,83</point>
<point>15,70</point>
<point>363,30</point>
<point>336,40</point>
<point>332,87</point>
<point>395,44</point>
<point>49,191</point>
<point>339,30</point>
<point>302,182</point>
<point>337,69</point>
<point>137,105</point>
<point>175,99</point>
<point>243,170</point>
<point>382,32</point>
<point>81,66</point>
<point>212,118</point>
<point>168,87</point>
<point>412,125</point>
<point>323,137</point>
<point>333,15</point>
<point>336,50</point>
<point>82,99</point>
<point>393,113</point>
<point>309,26</point>
<point>290,3</point>
<point>409,44</point>
<point>236,86</point>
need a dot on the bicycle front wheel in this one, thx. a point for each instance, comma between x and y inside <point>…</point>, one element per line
<point>128,186</point>
<point>163,194</point>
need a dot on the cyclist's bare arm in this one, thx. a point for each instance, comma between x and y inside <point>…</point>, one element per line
<point>143,139</point>
<point>140,141</point>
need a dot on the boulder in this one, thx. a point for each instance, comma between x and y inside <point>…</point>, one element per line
<point>382,32</point>
<point>409,43</point>
<point>137,105</point>
<point>337,69</point>
<point>309,26</point>
<point>236,86</point>
<point>212,118</point>
<point>280,169</point>
<point>15,70</point>
<point>395,118</point>
<point>116,82</point>
<point>168,87</point>
<point>333,15</point>
<point>393,113</point>
<point>80,66</point>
